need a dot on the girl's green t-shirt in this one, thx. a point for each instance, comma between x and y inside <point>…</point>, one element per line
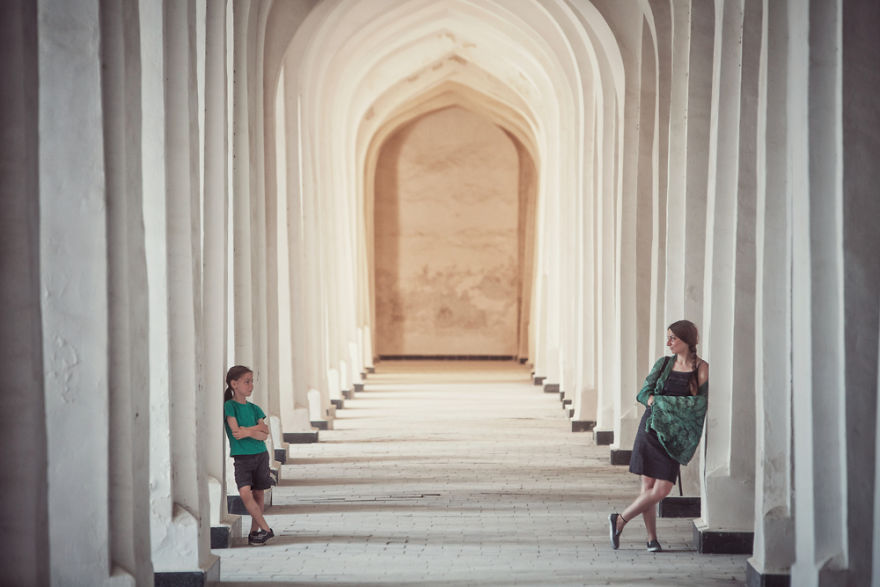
<point>246,414</point>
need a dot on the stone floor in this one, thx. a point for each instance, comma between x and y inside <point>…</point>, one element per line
<point>460,474</point>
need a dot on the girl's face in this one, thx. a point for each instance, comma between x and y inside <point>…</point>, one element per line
<point>244,385</point>
<point>675,344</point>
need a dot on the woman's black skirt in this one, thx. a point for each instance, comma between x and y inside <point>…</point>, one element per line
<point>649,458</point>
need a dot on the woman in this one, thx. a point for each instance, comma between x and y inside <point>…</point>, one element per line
<point>675,395</point>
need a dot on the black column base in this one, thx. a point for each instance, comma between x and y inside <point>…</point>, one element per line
<point>679,507</point>
<point>603,437</point>
<point>281,455</point>
<point>582,425</point>
<point>719,542</point>
<point>620,457</point>
<point>371,370</point>
<point>340,404</point>
<point>221,536</point>
<point>347,394</point>
<point>756,579</point>
<point>358,387</point>
<point>320,424</point>
<point>539,380</point>
<point>551,387</point>
<point>300,437</point>
<point>198,578</point>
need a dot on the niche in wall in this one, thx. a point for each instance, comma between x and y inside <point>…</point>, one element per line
<point>448,238</point>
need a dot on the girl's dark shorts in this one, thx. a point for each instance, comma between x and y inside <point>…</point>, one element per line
<point>253,470</point>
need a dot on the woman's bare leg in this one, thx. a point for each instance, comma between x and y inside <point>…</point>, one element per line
<point>653,490</point>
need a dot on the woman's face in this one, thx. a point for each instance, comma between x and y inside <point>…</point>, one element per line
<point>675,344</point>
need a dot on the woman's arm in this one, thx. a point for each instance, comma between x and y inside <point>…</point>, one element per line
<point>703,373</point>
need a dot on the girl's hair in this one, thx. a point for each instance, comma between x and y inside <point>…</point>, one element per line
<point>234,374</point>
<point>686,331</point>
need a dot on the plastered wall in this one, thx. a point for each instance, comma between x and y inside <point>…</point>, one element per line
<point>447,234</point>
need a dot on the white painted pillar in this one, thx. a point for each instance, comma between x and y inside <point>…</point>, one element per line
<point>285,302</point>
<point>606,304</point>
<point>584,394</point>
<point>633,235</point>
<point>773,550</point>
<point>860,125</point>
<point>74,288</point>
<point>727,497</point>
<point>301,340</point>
<point>662,53</point>
<point>179,496</point>
<point>214,281</point>
<point>24,458</point>
<point>818,336</point>
<point>129,535</point>
<point>241,219</point>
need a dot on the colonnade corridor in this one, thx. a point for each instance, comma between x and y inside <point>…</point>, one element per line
<point>448,473</point>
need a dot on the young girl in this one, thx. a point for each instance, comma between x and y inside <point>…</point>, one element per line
<point>247,431</point>
<point>675,395</point>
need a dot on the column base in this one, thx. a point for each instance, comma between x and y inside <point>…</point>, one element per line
<point>551,387</point>
<point>755,578</point>
<point>321,424</point>
<point>539,380</point>
<point>523,360</point>
<point>620,457</point>
<point>363,375</point>
<point>582,425</point>
<point>679,507</point>
<point>347,394</point>
<point>281,455</point>
<point>198,578</point>
<point>223,535</point>
<point>338,403</point>
<point>371,370</point>
<point>603,437</point>
<point>358,387</point>
<point>720,541</point>
<point>300,437</point>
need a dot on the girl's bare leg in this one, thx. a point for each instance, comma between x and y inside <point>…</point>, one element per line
<point>255,509</point>
<point>260,499</point>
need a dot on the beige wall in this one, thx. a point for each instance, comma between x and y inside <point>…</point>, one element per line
<point>447,238</point>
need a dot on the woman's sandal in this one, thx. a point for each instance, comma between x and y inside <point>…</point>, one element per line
<point>615,533</point>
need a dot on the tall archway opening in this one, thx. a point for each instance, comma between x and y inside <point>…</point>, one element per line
<point>453,201</point>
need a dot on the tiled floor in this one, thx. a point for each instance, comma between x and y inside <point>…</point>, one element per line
<point>460,474</point>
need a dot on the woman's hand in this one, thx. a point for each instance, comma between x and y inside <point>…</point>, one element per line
<point>650,401</point>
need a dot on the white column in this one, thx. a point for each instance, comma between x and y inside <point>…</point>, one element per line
<point>240,221</point>
<point>214,285</point>
<point>24,456</point>
<point>860,126</point>
<point>74,284</point>
<point>129,538</point>
<point>300,334</point>
<point>773,550</point>
<point>727,497</point>
<point>179,488</point>
<point>633,221</point>
<point>818,334</point>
